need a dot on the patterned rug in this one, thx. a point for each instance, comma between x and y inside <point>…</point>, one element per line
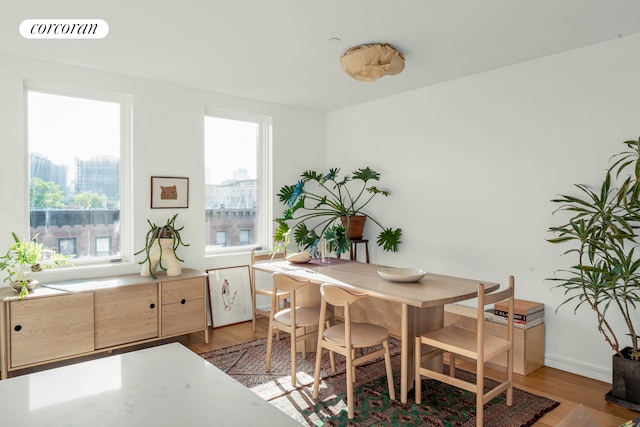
<point>442,405</point>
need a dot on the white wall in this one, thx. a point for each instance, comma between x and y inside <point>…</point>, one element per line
<point>473,164</point>
<point>168,134</point>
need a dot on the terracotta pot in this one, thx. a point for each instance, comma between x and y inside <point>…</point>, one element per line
<point>354,225</point>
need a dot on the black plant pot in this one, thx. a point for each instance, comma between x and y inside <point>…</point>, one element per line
<point>626,381</point>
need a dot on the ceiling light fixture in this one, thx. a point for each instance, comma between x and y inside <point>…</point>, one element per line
<point>370,62</point>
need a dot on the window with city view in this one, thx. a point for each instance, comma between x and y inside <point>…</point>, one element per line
<point>75,173</point>
<point>236,171</point>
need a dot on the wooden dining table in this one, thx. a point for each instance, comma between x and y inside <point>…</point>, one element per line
<point>406,309</point>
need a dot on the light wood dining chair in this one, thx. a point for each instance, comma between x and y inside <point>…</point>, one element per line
<point>345,338</point>
<point>300,318</point>
<point>472,346</point>
<point>266,292</point>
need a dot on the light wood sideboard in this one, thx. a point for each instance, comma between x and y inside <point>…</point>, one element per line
<point>63,320</point>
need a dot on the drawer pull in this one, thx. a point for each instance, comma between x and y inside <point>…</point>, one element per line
<point>152,305</point>
<point>183,301</point>
<point>17,328</point>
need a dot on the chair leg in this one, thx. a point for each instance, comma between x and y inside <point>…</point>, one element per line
<point>387,361</point>
<point>349,387</point>
<point>316,374</point>
<point>510,377</point>
<point>418,383</point>
<point>353,375</point>
<point>452,365</point>
<point>332,361</point>
<point>253,317</point>
<point>479,394</point>
<point>267,367</point>
<point>293,356</point>
<point>303,345</point>
<point>253,301</point>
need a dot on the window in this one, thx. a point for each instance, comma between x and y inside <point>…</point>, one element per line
<point>221,238</point>
<point>67,246</point>
<point>77,171</point>
<point>238,208</point>
<point>103,246</point>
<point>245,237</point>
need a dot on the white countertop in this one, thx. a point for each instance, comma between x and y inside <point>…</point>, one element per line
<point>166,385</point>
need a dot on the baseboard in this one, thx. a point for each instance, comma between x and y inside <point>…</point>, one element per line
<point>583,369</point>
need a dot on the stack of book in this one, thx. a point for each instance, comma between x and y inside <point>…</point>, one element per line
<point>525,313</point>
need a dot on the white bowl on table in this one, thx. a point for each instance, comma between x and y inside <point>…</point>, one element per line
<point>406,275</point>
<point>299,257</point>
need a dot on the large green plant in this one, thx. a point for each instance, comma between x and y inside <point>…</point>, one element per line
<point>605,271</point>
<point>315,204</point>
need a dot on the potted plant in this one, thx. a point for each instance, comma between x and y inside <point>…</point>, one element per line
<point>160,248</point>
<point>327,205</point>
<point>605,264</point>
<point>25,257</point>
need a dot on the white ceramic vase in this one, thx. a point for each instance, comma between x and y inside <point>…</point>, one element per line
<point>169,260</point>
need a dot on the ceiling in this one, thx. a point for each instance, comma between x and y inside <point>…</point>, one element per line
<point>284,51</point>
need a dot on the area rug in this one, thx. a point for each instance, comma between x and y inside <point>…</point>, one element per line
<point>443,405</point>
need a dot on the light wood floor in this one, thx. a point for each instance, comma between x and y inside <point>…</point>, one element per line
<point>566,388</point>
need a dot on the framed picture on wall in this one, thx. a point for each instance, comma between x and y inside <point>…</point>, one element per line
<point>229,295</point>
<point>169,192</point>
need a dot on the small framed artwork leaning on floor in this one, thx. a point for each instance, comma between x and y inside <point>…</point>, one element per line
<point>229,295</point>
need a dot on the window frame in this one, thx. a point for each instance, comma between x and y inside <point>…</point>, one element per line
<point>126,156</point>
<point>264,176</point>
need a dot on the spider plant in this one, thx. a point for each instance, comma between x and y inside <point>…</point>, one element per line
<point>155,232</point>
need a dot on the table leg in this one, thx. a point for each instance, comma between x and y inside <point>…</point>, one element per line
<point>406,348</point>
<point>416,321</point>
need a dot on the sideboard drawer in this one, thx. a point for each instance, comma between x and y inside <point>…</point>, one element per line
<point>43,329</point>
<point>175,291</point>
<point>183,306</point>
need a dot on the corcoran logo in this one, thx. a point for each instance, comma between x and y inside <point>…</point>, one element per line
<point>64,29</point>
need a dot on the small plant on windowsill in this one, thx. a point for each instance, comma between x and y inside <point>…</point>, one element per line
<point>161,243</point>
<point>25,257</point>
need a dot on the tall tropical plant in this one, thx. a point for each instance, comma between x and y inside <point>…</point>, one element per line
<point>602,233</point>
<point>315,205</point>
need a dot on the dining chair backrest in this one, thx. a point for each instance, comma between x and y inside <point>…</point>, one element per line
<point>299,317</point>
<point>484,300</point>
<point>344,338</point>
<point>255,290</point>
<point>474,346</point>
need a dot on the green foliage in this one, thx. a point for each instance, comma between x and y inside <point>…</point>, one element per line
<point>27,256</point>
<point>314,205</point>
<point>603,239</point>
<point>89,199</point>
<point>167,231</point>
<point>45,194</point>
